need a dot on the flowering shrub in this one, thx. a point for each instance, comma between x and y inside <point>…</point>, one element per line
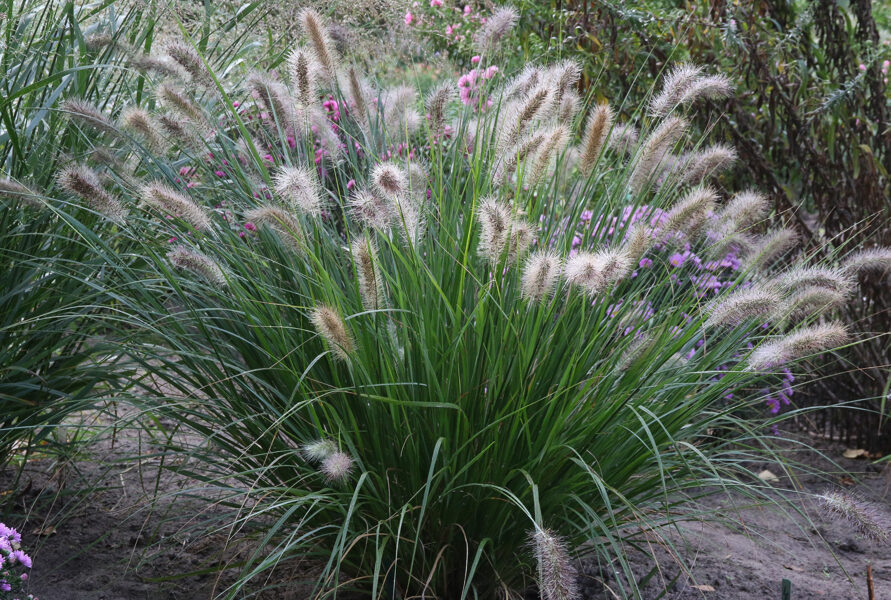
<point>448,26</point>
<point>405,363</point>
<point>14,565</point>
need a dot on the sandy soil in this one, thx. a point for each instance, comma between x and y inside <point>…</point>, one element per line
<point>98,531</point>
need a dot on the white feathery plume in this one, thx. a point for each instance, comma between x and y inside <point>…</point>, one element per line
<point>677,83</point>
<point>314,29</point>
<point>498,25</point>
<point>371,289</point>
<point>318,450</point>
<point>175,101</point>
<point>557,576</point>
<point>495,223</point>
<point>330,325</point>
<point>742,305</point>
<point>540,274</point>
<point>623,137</point>
<point>389,180</point>
<point>655,148</point>
<point>699,165</point>
<point>83,182</point>
<point>864,516</point>
<point>88,113</point>
<point>689,213</point>
<point>596,131</point>
<point>281,222</point>
<point>804,342</point>
<point>744,209</point>
<point>170,201</point>
<point>812,301</point>
<point>835,279</point>
<point>770,246</point>
<point>337,467</point>
<point>197,263</point>
<point>872,259</point>
<point>189,60</point>
<point>17,191</point>
<point>141,122</point>
<point>299,186</point>
<point>370,210</point>
<point>274,98</point>
<point>595,271</point>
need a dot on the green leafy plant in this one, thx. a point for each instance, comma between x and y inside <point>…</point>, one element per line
<point>397,364</point>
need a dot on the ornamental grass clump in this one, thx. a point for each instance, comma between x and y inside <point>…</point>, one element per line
<point>458,353</point>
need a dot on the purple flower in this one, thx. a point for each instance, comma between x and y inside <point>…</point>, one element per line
<point>676,259</point>
<point>5,587</point>
<point>20,556</point>
<point>645,263</point>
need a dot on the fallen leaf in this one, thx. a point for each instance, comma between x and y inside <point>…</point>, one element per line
<point>846,481</point>
<point>768,477</point>
<point>48,530</point>
<point>794,568</point>
<point>703,588</point>
<point>855,453</point>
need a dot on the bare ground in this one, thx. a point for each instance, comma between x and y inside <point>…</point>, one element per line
<point>103,528</point>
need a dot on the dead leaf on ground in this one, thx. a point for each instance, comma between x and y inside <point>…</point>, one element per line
<point>855,453</point>
<point>768,477</point>
<point>794,568</point>
<point>703,588</point>
<point>48,530</point>
<point>847,481</point>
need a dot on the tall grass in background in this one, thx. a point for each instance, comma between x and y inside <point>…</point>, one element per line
<point>55,57</point>
<point>403,370</point>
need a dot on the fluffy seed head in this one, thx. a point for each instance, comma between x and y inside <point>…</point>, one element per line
<point>518,117</point>
<point>437,102</point>
<point>281,222</point>
<point>329,324</point>
<point>677,83</point>
<point>835,279</point>
<point>389,180</point>
<point>555,142</point>
<point>744,209</point>
<point>557,576</point>
<point>812,301</point>
<point>710,86</point>
<point>711,161</point>
<point>87,113</point>
<point>274,98</point>
<point>657,145</point>
<point>303,70</point>
<point>174,100</point>
<point>337,467</point>
<point>314,29</point>
<point>300,188</point>
<point>188,58</point>
<point>16,191</point>
<point>637,242</point>
<point>495,224</point>
<point>370,210</point>
<point>499,24</point>
<point>371,288</point>
<point>801,343</point>
<point>168,200</point>
<point>197,263</point>
<point>176,129</point>
<point>318,450</point>
<point>83,182</point>
<point>594,271</point>
<point>358,97</point>
<point>139,121</point>
<point>162,65</point>
<point>865,517</point>
<point>623,137</point>
<point>540,274</point>
<point>742,305</point>
<point>688,214</point>
<point>596,131</point>
<point>400,115</point>
<point>770,246</point>
<point>409,212</point>
<point>872,259</point>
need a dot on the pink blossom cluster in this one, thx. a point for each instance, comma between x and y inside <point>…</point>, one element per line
<point>471,86</point>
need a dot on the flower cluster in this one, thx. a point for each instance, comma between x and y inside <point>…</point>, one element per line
<point>449,28</point>
<point>14,564</point>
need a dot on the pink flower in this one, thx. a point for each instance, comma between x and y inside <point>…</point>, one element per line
<point>250,226</point>
<point>409,18</point>
<point>449,30</point>
<point>351,184</point>
<point>435,3</point>
<point>475,60</point>
<point>490,72</point>
<point>862,67</point>
<point>466,10</point>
